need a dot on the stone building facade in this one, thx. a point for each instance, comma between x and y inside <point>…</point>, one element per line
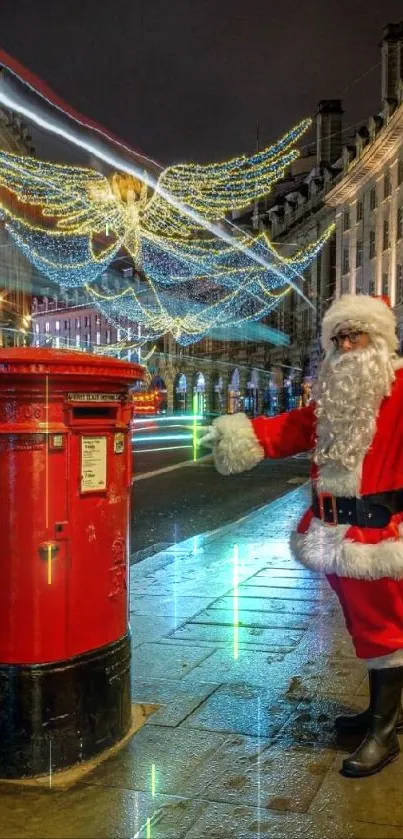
<point>367,198</point>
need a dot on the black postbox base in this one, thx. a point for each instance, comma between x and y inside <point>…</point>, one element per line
<point>53,716</point>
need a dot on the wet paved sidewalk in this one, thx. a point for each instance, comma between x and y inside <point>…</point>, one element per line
<point>247,656</point>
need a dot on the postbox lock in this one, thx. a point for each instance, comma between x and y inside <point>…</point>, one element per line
<point>48,550</point>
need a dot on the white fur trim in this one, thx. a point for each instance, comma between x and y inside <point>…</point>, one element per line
<point>340,481</point>
<point>237,448</point>
<point>362,308</point>
<point>324,548</point>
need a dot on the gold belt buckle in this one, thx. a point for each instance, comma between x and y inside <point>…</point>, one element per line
<point>321,497</point>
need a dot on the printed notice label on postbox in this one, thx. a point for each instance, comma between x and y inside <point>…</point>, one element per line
<point>93,464</point>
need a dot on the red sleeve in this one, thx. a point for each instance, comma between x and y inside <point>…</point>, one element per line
<point>288,433</point>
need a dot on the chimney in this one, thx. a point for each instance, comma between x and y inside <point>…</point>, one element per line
<point>328,131</point>
<point>392,59</point>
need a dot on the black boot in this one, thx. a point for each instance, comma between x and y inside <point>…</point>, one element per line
<point>380,746</point>
<point>359,723</point>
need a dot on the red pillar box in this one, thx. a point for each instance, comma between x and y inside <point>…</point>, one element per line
<point>65,479</point>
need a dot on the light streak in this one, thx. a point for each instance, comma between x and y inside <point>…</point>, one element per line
<point>121,164</point>
<point>158,437</point>
<point>194,426</point>
<point>153,780</point>
<point>163,449</point>
<point>184,417</point>
<point>235,601</point>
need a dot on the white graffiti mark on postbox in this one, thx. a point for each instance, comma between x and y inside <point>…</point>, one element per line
<point>91,533</point>
<point>118,568</point>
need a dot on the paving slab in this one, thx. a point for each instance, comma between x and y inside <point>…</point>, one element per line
<point>270,639</point>
<point>225,821</point>
<point>253,589</point>
<point>262,604</point>
<point>160,759</point>
<point>249,618</point>
<point>152,627</point>
<point>156,661</point>
<point>244,709</point>
<point>298,583</point>
<point>93,812</point>
<point>241,665</point>
<point>163,605</point>
<point>177,699</point>
<point>278,778</point>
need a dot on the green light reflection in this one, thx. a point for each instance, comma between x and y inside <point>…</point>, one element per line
<point>235,600</point>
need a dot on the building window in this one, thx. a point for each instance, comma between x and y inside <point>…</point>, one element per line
<point>57,325</point>
<point>37,328</point>
<point>385,240</point>
<point>66,324</point>
<point>57,342</point>
<point>387,186</point>
<point>88,339</point>
<point>77,340</point>
<point>360,210</point>
<point>372,198</point>
<point>97,320</point>
<point>359,254</point>
<point>372,244</point>
<point>399,223</point>
<point>372,284</point>
<point>400,172</point>
<point>346,261</point>
<point>346,220</point>
<point>78,323</point>
<point>47,326</point>
<point>399,283</point>
<point>385,284</point>
<point>86,322</point>
<point>98,338</point>
<point>108,336</point>
<point>119,334</point>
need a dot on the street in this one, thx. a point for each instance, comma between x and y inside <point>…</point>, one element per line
<point>195,498</point>
<point>161,441</point>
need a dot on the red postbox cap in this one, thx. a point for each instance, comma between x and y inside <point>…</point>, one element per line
<point>33,361</point>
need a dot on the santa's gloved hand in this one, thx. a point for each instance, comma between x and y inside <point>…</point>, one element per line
<point>210,438</point>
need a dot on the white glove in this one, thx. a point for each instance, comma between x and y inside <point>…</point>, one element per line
<point>210,438</point>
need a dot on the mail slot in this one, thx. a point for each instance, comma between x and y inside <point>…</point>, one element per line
<point>65,481</point>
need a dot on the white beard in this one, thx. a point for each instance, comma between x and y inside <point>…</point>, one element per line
<point>349,392</point>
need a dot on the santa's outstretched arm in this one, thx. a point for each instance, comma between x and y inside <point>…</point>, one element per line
<point>239,443</point>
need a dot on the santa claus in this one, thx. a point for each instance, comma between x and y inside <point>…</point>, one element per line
<point>353,529</point>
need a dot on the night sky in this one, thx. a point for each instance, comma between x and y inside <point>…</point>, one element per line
<point>189,79</point>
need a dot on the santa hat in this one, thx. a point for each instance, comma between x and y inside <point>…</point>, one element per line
<point>361,311</point>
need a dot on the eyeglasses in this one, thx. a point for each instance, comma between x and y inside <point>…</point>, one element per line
<point>352,337</point>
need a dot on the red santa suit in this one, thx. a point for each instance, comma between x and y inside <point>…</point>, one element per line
<point>363,563</point>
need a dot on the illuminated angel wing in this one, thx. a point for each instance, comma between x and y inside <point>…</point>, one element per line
<point>215,189</point>
<point>79,201</point>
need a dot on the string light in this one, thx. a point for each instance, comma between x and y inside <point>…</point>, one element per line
<point>185,310</point>
<point>58,214</point>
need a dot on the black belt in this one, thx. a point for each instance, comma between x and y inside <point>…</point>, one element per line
<point>368,511</point>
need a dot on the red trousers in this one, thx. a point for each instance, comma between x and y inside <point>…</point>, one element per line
<point>373,611</point>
